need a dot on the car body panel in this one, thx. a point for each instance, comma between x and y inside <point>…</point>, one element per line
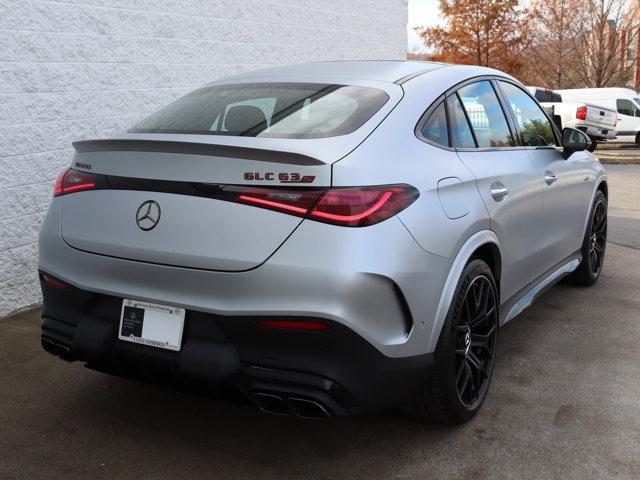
<point>566,201</point>
<point>349,277</point>
<point>191,232</point>
<point>514,217</point>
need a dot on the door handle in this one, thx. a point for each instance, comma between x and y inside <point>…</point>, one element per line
<point>498,191</point>
<point>549,177</point>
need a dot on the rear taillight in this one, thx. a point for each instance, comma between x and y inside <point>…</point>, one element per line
<point>293,201</point>
<point>581,113</point>
<point>70,180</point>
<point>359,207</point>
<point>350,207</point>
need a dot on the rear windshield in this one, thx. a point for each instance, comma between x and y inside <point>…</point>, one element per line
<point>282,110</point>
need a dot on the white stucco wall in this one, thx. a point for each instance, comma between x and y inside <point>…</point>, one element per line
<point>73,69</point>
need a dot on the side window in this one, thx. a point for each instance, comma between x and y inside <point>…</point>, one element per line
<point>626,107</point>
<point>461,135</point>
<point>535,127</point>
<point>435,129</point>
<point>486,115</point>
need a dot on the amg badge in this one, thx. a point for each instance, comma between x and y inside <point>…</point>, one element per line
<point>281,177</point>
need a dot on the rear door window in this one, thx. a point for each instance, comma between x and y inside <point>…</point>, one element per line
<point>486,116</point>
<point>281,110</point>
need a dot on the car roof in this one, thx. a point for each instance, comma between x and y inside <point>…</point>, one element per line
<point>392,71</point>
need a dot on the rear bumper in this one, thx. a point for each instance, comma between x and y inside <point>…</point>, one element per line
<point>598,132</point>
<point>336,368</point>
<point>376,281</point>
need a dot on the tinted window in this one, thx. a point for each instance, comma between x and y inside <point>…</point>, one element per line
<point>486,115</point>
<point>627,107</point>
<point>547,96</point>
<point>284,110</point>
<point>461,136</point>
<point>535,127</point>
<point>435,129</point>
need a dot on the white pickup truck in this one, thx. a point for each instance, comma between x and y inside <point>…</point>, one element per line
<point>597,122</point>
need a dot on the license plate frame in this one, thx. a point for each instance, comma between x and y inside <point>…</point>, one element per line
<point>151,324</point>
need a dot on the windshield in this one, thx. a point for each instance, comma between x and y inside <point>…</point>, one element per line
<point>282,110</point>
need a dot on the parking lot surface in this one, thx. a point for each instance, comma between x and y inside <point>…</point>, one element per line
<point>564,404</point>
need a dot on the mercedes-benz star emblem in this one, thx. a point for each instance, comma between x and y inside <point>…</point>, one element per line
<point>148,215</point>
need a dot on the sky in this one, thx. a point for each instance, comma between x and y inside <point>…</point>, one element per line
<point>421,12</point>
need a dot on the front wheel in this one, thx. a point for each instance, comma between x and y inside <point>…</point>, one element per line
<point>594,245</point>
<point>465,355</point>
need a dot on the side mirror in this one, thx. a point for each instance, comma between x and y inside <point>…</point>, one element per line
<point>574,141</point>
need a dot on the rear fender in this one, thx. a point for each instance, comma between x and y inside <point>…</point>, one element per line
<point>464,254</point>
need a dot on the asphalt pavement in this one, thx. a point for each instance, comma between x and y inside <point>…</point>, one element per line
<point>564,404</point>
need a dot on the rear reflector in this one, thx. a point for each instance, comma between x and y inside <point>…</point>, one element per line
<point>294,324</point>
<point>349,207</point>
<point>53,281</point>
<point>70,180</point>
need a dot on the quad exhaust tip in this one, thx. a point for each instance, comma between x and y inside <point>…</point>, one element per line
<point>270,403</point>
<point>306,408</point>
<point>301,407</point>
<point>57,349</point>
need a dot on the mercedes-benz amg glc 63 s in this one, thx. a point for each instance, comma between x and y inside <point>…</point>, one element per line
<point>323,239</point>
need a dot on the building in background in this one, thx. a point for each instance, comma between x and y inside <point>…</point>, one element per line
<point>90,68</point>
<point>632,34</point>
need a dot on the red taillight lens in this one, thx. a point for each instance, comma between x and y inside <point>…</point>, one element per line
<point>350,207</point>
<point>581,113</point>
<point>294,324</point>
<point>69,181</point>
<point>53,281</point>
<point>359,207</point>
<point>57,189</point>
<point>296,202</point>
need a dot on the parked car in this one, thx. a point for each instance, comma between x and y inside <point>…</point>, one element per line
<point>326,239</point>
<point>598,122</point>
<point>624,100</point>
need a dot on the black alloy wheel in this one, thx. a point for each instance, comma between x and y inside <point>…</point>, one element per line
<point>598,238</point>
<point>594,245</point>
<point>465,355</point>
<point>476,341</point>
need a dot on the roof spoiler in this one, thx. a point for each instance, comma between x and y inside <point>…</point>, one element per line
<point>193,148</point>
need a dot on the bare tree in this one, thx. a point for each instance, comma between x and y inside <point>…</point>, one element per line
<point>556,33</point>
<point>608,32</point>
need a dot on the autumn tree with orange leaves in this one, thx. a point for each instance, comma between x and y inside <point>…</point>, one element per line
<point>490,33</point>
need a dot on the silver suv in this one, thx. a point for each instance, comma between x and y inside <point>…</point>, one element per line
<point>324,239</point>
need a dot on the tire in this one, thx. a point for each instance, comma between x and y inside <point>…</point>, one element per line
<point>594,245</point>
<point>637,140</point>
<point>464,358</point>
<point>593,146</point>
